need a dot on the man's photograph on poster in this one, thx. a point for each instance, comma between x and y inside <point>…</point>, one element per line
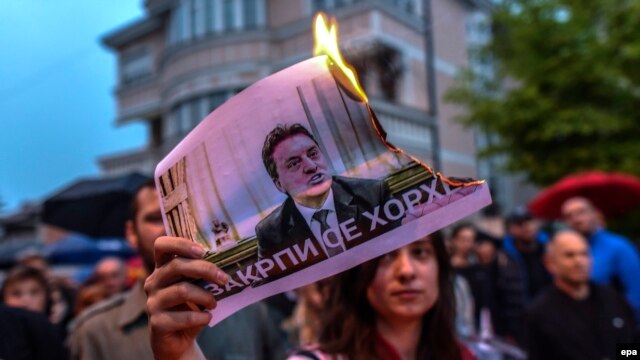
<point>317,201</point>
<point>291,181</point>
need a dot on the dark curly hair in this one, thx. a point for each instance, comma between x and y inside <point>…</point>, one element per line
<point>280,133</point>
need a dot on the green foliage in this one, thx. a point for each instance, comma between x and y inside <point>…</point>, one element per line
<point>565,95</point>
<point>627,225</point>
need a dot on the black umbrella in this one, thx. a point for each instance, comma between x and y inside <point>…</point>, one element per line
<point>96,207</point>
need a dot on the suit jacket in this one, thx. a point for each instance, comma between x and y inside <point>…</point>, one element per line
<point>285,226</point>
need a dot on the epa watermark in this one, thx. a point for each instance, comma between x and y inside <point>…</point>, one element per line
<point>628,351</point>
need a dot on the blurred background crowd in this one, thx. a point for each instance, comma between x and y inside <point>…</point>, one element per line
<point>537,97</point>
<point>540,285</point>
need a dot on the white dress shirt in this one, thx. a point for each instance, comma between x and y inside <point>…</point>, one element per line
<point>314,225</point>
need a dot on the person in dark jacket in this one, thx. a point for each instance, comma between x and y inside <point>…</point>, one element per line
<point>26,335</point>
<point>525,245</point>
<point>575,318</point>
<point>464,263</point>
<point>497,286</point>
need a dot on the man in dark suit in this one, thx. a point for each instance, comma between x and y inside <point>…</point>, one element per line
<point>317,203</point>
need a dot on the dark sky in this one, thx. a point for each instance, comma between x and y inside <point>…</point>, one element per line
<point>56,85</point>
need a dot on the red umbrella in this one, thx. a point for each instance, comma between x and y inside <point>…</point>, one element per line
<point>613,193</point>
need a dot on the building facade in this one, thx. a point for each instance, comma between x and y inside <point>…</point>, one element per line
<point>186,57</point>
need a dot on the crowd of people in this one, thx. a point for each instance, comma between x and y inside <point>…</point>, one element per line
<point>567,293</point>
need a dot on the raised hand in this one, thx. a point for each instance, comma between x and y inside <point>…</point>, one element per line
<point>174,303</point>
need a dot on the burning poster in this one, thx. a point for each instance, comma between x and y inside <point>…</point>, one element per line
<point>292,181</point>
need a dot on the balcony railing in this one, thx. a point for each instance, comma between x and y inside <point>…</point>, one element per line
<point>407,127</point>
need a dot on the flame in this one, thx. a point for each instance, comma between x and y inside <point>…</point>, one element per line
<point>326,43</point>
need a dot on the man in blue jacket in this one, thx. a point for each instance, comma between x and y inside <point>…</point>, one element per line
<point>616,261</point>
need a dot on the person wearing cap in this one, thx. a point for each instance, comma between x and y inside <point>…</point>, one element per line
<point>525,244</point>
<point>616,262</point>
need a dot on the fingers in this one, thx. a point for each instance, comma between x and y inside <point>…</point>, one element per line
<point>167,247</point>
<point>174,321</point>
<point>180,294</point>
<point>180,268</point>
<point>179,260</point>
<point>170,293</point>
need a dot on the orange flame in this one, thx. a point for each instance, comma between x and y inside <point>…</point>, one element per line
<point>326,43</point>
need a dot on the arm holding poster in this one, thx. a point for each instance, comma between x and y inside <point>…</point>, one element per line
<point>173,324</point>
